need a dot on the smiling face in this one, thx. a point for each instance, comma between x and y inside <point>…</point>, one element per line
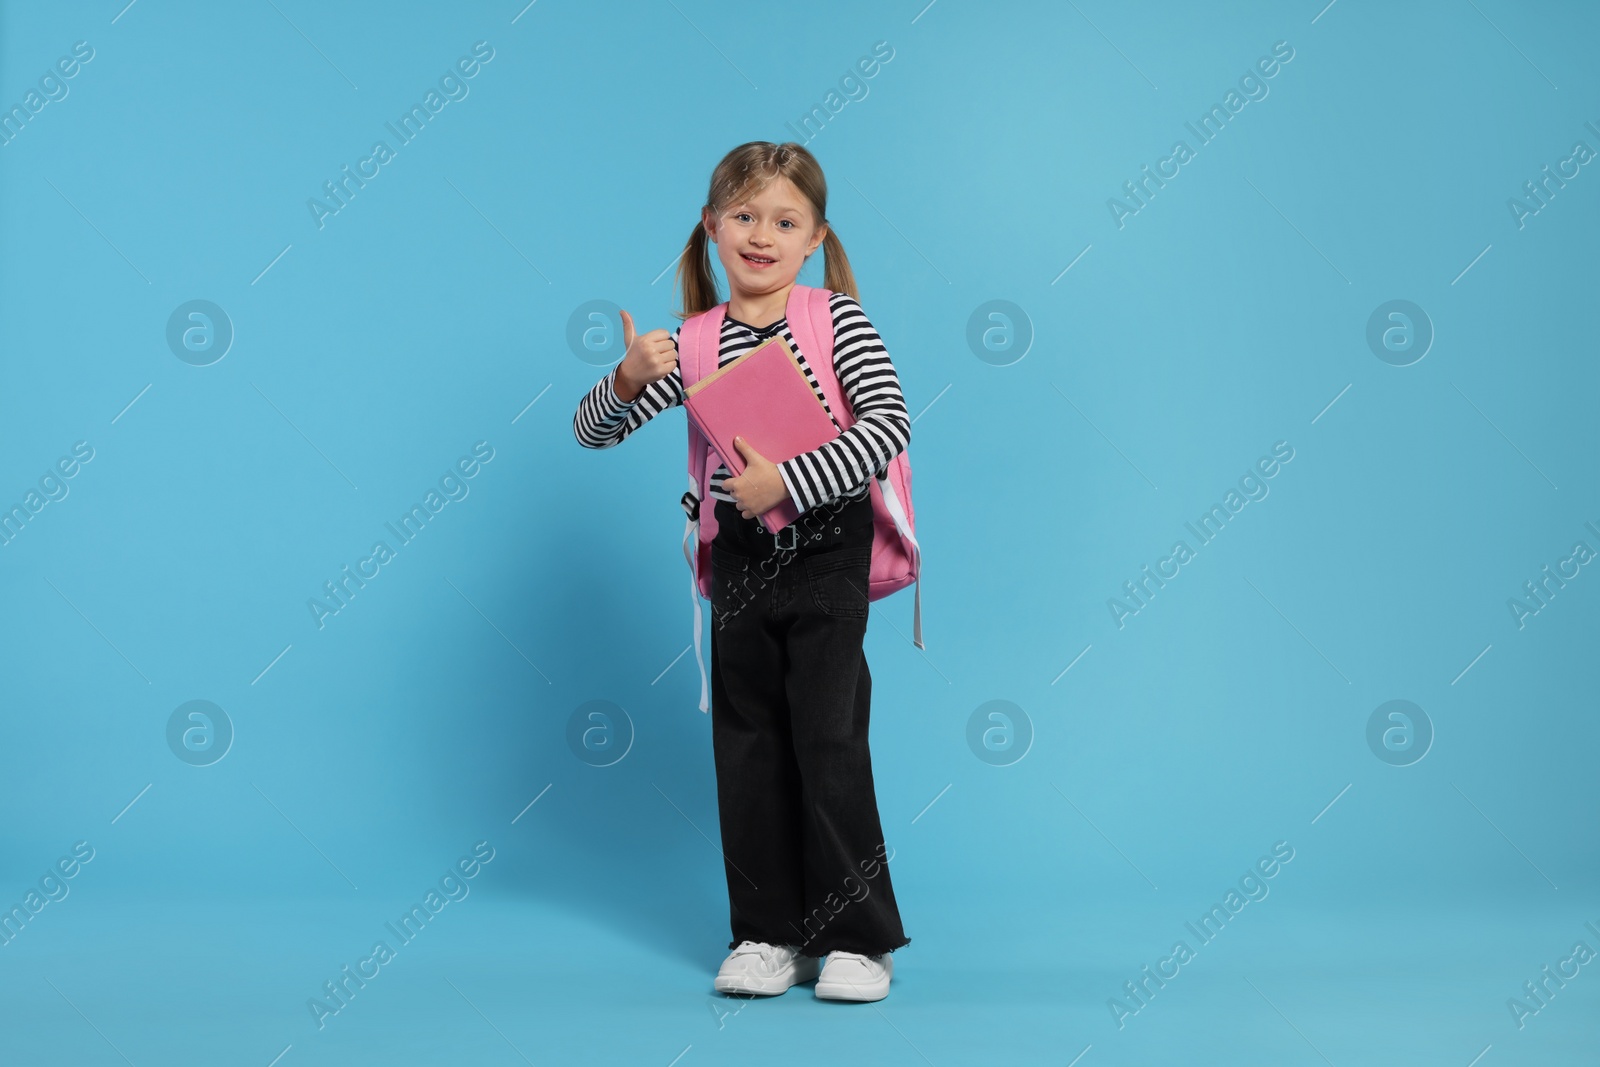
<point>764,240</point>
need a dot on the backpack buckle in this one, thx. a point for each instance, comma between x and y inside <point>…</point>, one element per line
<point>691,506</point>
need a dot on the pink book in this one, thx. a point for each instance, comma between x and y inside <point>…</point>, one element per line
<point>764,397</point>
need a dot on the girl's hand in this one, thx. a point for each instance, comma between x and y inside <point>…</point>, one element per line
<point>645,359</point>
<point>760,488</point>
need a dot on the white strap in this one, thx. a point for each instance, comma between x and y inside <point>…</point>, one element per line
<point>691,529</point>
<point>903,524</point>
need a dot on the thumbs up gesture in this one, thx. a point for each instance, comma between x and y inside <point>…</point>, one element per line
<point>760,488</point>
<point>646,358</point>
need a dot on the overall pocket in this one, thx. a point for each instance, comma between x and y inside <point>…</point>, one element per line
<point>838,580</point>
<point>729,591</point>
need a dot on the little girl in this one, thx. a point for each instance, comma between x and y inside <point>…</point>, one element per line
<point>803,847</point>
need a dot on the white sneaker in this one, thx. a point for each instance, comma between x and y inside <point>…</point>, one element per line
<point>757,967</point>
<point>852,976</point>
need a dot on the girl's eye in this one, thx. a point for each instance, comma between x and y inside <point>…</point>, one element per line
<point>789,223</point>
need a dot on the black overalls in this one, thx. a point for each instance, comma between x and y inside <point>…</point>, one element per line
<point>804,850</point>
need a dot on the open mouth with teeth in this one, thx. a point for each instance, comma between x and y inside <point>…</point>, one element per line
<point>758,261</point>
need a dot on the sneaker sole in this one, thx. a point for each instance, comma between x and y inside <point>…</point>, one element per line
<point>767,987</point>
<point>835,991</point>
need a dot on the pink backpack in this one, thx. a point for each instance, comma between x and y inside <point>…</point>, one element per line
<point>896,557</point>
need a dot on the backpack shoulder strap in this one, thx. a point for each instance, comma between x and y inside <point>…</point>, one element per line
<point>698,343</point>
<point>810,316</point>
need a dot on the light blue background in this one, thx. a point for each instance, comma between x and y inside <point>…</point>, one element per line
<point>432,311</point>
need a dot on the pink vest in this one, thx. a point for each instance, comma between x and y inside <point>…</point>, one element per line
<point>896,557</point>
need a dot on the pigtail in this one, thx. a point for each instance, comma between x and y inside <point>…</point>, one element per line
<point>696,282</point>
<point>837,275</point>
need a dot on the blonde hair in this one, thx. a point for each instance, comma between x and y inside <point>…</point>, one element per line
<point>744,172</point>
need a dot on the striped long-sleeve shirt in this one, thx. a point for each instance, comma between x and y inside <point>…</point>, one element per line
<point>839,469</point>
